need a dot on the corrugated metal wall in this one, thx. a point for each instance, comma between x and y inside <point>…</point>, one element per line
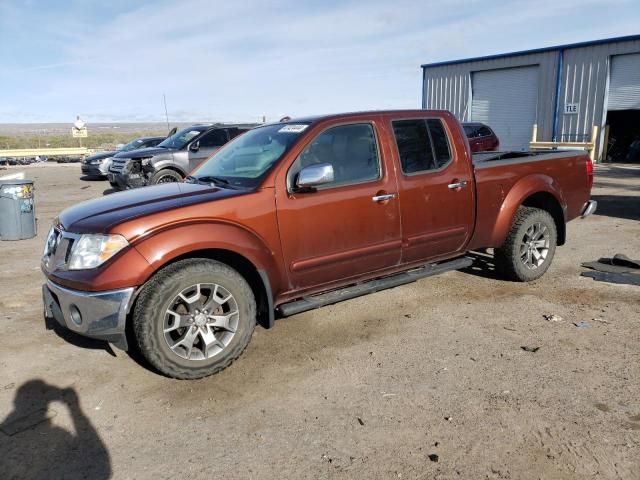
<point>448,87</point>
<point>584,80</point>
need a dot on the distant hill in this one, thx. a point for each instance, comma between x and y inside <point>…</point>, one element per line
<point>29,129</point>
<point>101,136</point>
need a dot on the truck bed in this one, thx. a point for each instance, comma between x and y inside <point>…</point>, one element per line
<point>504,178</point>
<point>491,159</point>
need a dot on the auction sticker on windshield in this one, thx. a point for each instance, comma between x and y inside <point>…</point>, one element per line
<point>293,128</point>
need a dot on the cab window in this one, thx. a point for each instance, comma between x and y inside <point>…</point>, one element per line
<point>351,150</point>
<point>422,145</point>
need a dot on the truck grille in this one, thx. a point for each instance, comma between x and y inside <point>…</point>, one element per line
<point>117,165</point>
<point>58,248</point>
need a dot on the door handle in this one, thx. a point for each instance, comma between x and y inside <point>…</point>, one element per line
<point>382,198</point>
<point>453,186</point>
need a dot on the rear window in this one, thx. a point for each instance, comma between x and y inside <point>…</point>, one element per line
<point>214,138</point>
<point>470,131</point>
<point>422,145</point>
<point>440,142</point>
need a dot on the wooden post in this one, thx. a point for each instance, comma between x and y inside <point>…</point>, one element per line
<point>594,143</point>
<point>534,136</point>
<point>605,147</point>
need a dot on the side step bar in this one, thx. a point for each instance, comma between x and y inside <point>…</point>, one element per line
<point>316,301</point>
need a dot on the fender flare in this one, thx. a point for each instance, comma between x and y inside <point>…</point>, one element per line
<point>518,194</point>
<point>166,163</point>
<point>213,239</point>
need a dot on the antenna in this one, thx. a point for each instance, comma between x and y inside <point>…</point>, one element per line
<point>166,114</point>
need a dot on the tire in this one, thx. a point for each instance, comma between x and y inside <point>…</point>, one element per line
<point>165,176</point>
<point>515,259</point>
<point>165,346</point>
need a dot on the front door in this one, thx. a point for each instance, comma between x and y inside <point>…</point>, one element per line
<point>348,227</point>
<point>437,199</point>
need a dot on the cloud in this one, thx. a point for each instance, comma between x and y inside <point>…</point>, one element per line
<point>239,60</point>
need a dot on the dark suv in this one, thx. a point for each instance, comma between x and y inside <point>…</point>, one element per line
<point>481,137</point>
<point>172,159</point>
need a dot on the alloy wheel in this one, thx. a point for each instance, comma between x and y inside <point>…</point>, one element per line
<point>200,321</point>
<point>534,246</point>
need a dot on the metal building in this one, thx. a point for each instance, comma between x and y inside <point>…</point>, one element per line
<point>565,90</point>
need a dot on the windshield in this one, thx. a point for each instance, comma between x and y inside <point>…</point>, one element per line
<point>244,161</point>
<point>181,138</point>
<point>132,145</point>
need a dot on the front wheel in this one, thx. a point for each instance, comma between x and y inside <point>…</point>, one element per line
<point>530,245</point>
<point>194,318</point>
<point>165,176</point>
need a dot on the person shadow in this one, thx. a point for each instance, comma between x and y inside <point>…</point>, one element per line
<point>31,446</point>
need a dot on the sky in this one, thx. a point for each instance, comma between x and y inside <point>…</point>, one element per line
<point>112,61</point>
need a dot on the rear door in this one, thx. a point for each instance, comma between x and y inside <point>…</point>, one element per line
<point>348,227</point>
<point>436,189</point>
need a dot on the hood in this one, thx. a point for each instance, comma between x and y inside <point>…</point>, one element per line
<point>145,152</point>
<point>102,214</point>
<point>99,156</point>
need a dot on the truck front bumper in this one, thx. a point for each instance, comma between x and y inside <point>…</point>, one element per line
<point>99,315</point>
<point>589,208</point>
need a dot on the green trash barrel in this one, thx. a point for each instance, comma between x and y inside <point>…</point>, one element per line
<point>17,210</point>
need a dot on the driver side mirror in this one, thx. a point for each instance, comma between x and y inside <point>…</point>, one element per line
<point>195,146</point>
<point>314,176</point>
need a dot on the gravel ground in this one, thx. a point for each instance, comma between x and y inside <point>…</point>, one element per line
<point>423,381</point>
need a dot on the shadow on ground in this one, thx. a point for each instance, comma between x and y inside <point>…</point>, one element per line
<point>92,178</point>
<point>33,447</point>
<point>80,341</point>
<point>625,171</point>
<point>620,206</point>
<point>483,266</point>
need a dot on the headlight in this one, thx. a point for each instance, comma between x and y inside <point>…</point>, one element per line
<point>91,251</point>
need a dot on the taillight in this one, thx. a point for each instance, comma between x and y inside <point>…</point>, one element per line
<point>589,173</point>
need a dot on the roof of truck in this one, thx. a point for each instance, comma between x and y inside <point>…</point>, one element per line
<point>316,118</point>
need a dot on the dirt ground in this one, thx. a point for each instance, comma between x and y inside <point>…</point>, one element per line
<point>423,381</point>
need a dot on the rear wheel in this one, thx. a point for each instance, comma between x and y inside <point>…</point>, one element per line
<point>530,245</point>
<point>194,318</point>
<point>165,176</point>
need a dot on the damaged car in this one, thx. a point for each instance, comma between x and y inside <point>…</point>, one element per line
<point>173,158</point>
<point>97,165</point>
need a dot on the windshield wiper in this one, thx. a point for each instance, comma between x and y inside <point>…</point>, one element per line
<point>209,180</point>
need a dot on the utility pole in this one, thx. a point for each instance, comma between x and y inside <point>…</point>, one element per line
<point>166,113</point>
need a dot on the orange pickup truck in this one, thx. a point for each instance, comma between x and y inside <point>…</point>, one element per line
<point>296,215</point>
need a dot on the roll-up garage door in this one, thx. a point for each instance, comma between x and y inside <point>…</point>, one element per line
<point>624,82</point>
<point>506,100</point>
